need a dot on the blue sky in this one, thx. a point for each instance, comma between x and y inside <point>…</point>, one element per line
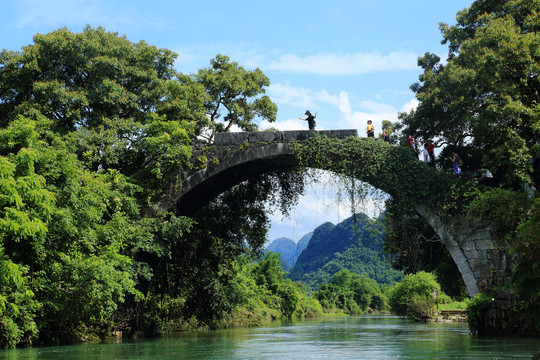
<point>347,60</point>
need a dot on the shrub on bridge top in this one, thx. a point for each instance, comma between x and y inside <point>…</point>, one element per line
<point>413,295</point>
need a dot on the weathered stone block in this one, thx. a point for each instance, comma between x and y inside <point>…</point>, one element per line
<point>230,138</point>
<point>459,257</point>
<point>471,254</point>
<point>484,244</point>
<point>468,245</point>
<point>264,136</point>
<point>482,271</point>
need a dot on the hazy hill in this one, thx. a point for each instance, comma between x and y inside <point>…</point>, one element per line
<point>288,249</point>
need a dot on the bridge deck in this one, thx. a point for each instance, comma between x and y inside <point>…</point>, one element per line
<point>222,138</point>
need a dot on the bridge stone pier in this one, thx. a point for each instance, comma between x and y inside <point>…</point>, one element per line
<point>473,249</point>
<point>239,156</point>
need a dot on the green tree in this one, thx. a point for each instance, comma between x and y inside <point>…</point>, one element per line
<point>351,293</point>
<point>94,132</point>
<point>18,306</point>
<point>526,249</point>
<point>235,95</point>
<point>413,295</point>
<point>85,79</point>
<point>109,93</point>
<point>485,98</point>
<point>26,207</point>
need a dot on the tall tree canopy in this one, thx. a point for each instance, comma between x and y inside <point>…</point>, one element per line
<point>235,95</point>
<point>485,97</point>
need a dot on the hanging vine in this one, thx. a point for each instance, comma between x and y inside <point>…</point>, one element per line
<point>392,169</point>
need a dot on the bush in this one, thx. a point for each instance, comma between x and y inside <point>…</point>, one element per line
<point>476,311</point>
<point>421,307</point>
<point>379,302</point>
<point>410,296</point>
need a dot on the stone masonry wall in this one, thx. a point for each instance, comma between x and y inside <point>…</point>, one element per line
<point>238,138</point>
<point>474,251</point>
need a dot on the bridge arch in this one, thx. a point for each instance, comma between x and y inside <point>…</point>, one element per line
<point>395,170</point>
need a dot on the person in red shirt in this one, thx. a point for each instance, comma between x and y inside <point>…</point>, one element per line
<point>411,142</point>
<point>430,149</point>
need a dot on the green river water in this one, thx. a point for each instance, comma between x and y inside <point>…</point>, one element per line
<point>363,337</point>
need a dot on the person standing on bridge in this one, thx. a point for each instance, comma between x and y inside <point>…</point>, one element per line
<point>386,138</point>
<point>456,163</point>
<point>310,119</point>
<point>411,142</point>
<point>370,129</point>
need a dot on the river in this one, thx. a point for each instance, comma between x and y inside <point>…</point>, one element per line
<point>362,337</point>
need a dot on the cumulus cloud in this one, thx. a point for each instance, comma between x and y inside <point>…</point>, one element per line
<point>367,110</point>
<point>411,105</point>
<point>352,115</point>
<point>342,64</point>
<point>300,97</point>
<point>252,56</point>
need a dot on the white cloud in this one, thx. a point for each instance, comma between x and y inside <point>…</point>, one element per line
<point>342,64</point>
<point>251,56</point>
<point>353,116</point>
<point>411,105</point>
<point>367,110</point>
<point>299,97</point>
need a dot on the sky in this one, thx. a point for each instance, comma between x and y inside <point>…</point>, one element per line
<point>346,60</point>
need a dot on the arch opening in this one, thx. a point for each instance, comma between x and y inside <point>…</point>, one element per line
<point>390,169</point>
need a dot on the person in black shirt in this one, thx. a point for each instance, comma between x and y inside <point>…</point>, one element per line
<point>386,138</point>
<point>310,119</point>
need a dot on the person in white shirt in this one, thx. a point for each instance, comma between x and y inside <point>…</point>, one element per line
<point>425,153</point>
<point>483,176</point>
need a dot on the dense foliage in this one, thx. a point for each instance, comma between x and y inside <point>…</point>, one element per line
<point>352,294</point>
<point>484,99</point>
<point>233,95</point>
<point>413,296</point>
<point>483,103</point>
<point>242,293</point>
<point>94,130</point>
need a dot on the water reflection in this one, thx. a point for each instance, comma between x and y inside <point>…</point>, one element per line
<point>384,337</point>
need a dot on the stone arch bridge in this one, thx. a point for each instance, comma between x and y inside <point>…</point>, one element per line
<point>239,156</point>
